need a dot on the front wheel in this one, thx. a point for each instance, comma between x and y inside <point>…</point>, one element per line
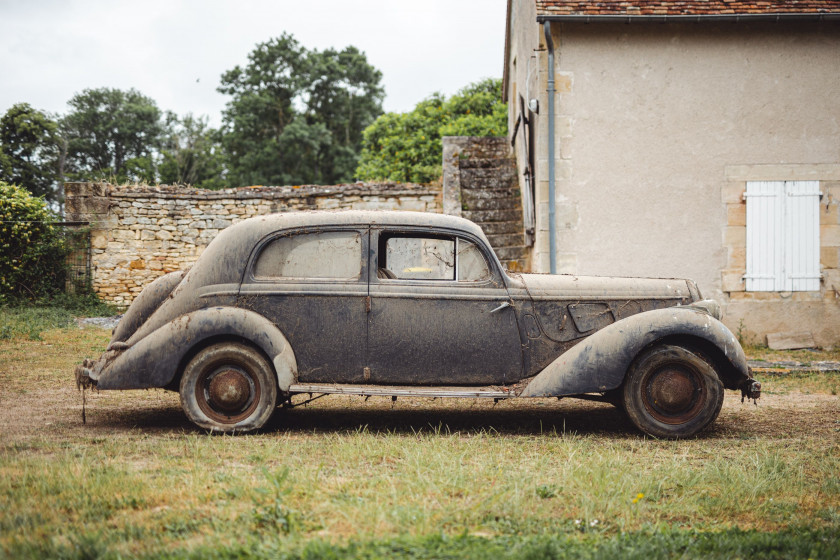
<point>672,392</point>
<point>229,387</point>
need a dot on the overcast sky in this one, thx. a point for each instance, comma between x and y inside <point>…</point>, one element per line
<point>174,51</point>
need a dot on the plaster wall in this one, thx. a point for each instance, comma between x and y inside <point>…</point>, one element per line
<point>523,81</point>
<point>649,119</point>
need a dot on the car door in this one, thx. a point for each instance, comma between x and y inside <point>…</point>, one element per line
<point>313,285</point>
<point>439,311</point>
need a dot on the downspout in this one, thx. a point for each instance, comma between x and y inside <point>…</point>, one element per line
<point>552,241</point>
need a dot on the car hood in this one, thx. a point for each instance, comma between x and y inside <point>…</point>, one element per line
<point>571,287</point>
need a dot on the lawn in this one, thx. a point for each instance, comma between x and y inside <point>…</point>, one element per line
<point>419,478</point>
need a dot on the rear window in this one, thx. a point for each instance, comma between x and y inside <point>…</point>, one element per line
<point>329,254</point>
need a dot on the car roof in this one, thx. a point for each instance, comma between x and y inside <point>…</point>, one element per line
<point>314,218</point>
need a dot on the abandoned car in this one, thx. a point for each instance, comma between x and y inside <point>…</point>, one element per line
<point>412,304</point>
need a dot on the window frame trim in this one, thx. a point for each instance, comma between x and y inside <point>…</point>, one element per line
<point>364,237</point>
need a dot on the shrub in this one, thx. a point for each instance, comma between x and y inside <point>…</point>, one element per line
<point>32,252</point>
<point>407,146</point>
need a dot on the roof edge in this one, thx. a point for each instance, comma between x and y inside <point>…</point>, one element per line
<point>734,18</point>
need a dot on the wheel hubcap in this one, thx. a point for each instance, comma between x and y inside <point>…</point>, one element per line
<point>674,394</point>
<point>228,394</point>
<point>672,390</point>
<point>229,391</point>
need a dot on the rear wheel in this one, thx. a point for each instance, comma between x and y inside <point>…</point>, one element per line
<point>672,392</point>
<point>229,387</point>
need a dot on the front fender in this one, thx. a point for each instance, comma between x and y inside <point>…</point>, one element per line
<point>154,360</point>
<point>600,362</point>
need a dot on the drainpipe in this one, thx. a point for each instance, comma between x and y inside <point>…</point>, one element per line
<point>552,241</point>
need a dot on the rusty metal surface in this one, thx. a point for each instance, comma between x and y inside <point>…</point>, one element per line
<point>472,333</point>
<point>600,362</point>
<point>154,360</point>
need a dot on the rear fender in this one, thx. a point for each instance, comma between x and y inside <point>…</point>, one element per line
<point>146,303</point>
<point>600,362</point>
<point>154,360</point>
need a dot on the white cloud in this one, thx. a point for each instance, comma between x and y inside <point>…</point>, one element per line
<point>175,50</point>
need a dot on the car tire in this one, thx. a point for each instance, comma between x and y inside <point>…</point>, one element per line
<point>229,387</point>
<point>672,392</point>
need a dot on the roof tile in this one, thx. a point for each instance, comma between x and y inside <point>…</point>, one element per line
<point>685,7</point>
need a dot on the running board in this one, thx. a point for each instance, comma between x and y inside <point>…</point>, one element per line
<point>403,391</point>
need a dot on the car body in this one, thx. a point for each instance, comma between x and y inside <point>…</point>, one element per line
<point>405,303</point>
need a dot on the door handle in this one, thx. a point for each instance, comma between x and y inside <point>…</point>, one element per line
<point>505,304</point>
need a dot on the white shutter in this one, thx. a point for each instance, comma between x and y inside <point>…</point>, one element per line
<point>802,236</point>
<point>764,236</point>
<point>783,236</point>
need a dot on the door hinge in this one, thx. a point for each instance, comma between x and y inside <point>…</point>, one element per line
<point>367,304</point>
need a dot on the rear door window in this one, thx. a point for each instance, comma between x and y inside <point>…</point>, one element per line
<point>327,254</point>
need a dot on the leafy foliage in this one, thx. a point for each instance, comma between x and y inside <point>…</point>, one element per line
<point>30,150</point>
<point>191,154</point>
<point>407,146</point>
<point>112,134</point>
<point>32,254</point>
<point>296,115</point>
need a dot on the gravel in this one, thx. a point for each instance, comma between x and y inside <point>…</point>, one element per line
<point>102,322</point>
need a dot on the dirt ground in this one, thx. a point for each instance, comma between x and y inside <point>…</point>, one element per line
<point>39,398</point>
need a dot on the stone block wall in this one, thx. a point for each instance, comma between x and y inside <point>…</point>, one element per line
<point>139,233</point>
<point>480,183</point>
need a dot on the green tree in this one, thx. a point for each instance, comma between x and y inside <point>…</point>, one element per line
<point>407,146</point>
<point>191,154</point>
<point>32,253</point>
<point>30,151</point>
<point>112,134</point>
<point>297,115</point>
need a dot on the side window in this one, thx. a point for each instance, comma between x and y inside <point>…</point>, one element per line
<point>471,264</point>
<point>329,254</point>
<point>420,258</point>
<point>431,258</point>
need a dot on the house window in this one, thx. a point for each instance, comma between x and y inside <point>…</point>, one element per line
<point>783,236</point>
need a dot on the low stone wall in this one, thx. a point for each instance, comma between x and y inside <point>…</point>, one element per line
<point>139,233</point>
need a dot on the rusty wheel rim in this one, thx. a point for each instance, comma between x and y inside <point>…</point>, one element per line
<point>227,394</point>
<point>674,393</point>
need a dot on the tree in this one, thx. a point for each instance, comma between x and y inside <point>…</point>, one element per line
<point>30,149</point>
<point>112,134</point>
<point>407,146</point>
<point>191,154</point>
<point>297,115</point>
<point>32,253</point>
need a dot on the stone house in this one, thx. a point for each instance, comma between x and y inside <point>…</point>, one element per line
<point>686,138</point>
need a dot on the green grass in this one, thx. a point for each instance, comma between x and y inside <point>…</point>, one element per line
<point>346,478</point>
<point>144,494</point>
<point>802,381</point>
<point>29,320</point>
<point>648,544</point>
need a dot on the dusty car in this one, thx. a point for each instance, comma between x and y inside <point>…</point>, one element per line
<point>412,304</point>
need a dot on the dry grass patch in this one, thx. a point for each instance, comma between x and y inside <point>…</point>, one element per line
<point>142,479</point>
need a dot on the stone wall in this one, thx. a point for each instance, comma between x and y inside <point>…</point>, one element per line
<point>480,184</point>
<point>139,233</point>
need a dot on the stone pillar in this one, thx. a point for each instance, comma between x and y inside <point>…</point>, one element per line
<point>453,146</point>
<point>87,202</point>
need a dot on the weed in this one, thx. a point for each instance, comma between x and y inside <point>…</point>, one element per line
<point>271,512</point>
